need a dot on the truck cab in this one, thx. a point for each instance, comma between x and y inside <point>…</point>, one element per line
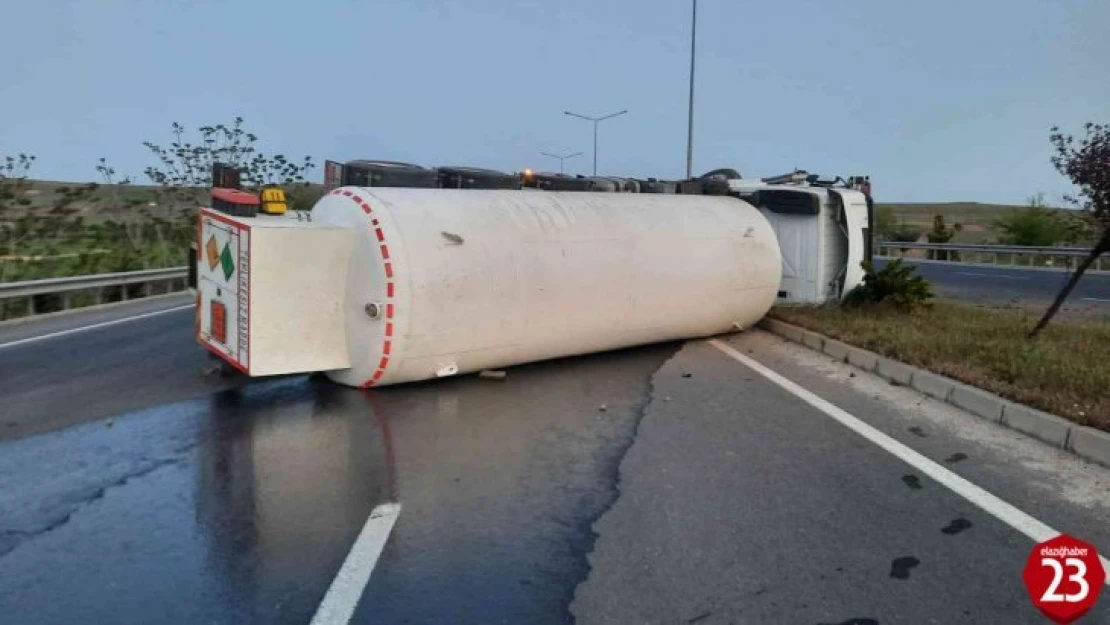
<point>823,228</point>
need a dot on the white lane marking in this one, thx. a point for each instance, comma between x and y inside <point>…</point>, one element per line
<point>1001,510</point>
<point>990,275</point>
<point>342,597</point>
<point>94,326</point>
<point>1097,299</point>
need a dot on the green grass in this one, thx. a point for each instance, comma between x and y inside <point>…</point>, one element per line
<point>113,235</point>
<point>1065,371</point>
<point>963,212</point>
<point>107,200</point>
<point>977,219</point>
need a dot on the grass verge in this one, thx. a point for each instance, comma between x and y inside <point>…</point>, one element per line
<point>1066,371</point>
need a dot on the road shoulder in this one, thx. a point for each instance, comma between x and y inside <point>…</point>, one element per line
<point>739,504</point>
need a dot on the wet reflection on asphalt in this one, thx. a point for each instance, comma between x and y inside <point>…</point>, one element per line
<point>241,507</point>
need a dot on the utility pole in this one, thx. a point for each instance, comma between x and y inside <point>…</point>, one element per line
<point>561,158</point>
<point>690,121</point>
<point>596,121</point>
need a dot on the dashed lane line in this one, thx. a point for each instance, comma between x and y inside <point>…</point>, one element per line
<point>343,595</point>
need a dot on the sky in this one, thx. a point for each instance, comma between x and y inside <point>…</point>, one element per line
<point>936,101</point>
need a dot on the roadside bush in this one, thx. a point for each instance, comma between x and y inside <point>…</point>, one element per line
<point>893,285</point>
<point>904,233</point>
<point>1034,225</point>
<point>304,197</point>
<point>941,233</point>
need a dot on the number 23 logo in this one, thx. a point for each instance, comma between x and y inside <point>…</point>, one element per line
<point>1051,594</point>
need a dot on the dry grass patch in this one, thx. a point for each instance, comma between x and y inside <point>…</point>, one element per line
<point>1065,371</point>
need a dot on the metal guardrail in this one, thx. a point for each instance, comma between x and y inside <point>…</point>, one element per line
<point>96,284</point>
<point>991,254</point>
<point>65,287</point>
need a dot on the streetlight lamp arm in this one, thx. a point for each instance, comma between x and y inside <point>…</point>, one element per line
<point>589,119</point>
<point>596,121</point>
<point>611,115</point>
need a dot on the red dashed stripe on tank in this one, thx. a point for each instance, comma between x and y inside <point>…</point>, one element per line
<point>390,289</point>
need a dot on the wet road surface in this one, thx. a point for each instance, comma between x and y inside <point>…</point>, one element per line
<point>102,371</point>
<point>701,493</point>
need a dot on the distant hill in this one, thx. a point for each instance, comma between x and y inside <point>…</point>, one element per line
<point>963,212</point>
<point>977,219</point>
<point>108,201</point>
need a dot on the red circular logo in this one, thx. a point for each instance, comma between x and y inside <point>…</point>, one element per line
<point>1064,578</point>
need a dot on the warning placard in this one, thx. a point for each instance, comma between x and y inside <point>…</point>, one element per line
<point>223,281</point>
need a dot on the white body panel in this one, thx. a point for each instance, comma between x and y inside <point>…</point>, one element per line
<point>283,287</point>
<point>822,253</point>
<point>800,239</point>
<point>223,288</point>
<point>470,280</point>
<point>855,215</point>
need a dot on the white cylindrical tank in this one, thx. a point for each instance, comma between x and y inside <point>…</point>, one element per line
<point>446,281</point>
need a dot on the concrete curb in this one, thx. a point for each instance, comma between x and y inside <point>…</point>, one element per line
<point>1085,442</point>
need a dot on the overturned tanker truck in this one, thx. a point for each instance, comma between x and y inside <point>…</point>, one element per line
<point>384,282</point>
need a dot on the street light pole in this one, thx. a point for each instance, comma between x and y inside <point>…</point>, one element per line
<point>690,121</point>
<point>595,147</point>
<point>596,121</point>
<point>561,158</point>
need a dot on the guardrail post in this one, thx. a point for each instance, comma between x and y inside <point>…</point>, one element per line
<point>145,282</point>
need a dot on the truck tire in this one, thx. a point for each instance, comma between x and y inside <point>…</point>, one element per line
<point>476,178</point>
<point>379,173</point>
<point>725,172</point>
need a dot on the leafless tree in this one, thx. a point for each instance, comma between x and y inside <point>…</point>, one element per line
<point>1086,162</point>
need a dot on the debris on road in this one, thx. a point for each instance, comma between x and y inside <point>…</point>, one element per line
<point>956,526</point>
<point>900,567</point>
<point>492,374</point>
<point>603,407</point>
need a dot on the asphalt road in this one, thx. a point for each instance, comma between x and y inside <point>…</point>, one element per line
<point>106,370</point>
<point>701,493</point>
<point>1015,285</point>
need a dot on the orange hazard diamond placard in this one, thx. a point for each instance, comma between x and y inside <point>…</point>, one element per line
<point>218,322</point>
<point>212,249</point>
